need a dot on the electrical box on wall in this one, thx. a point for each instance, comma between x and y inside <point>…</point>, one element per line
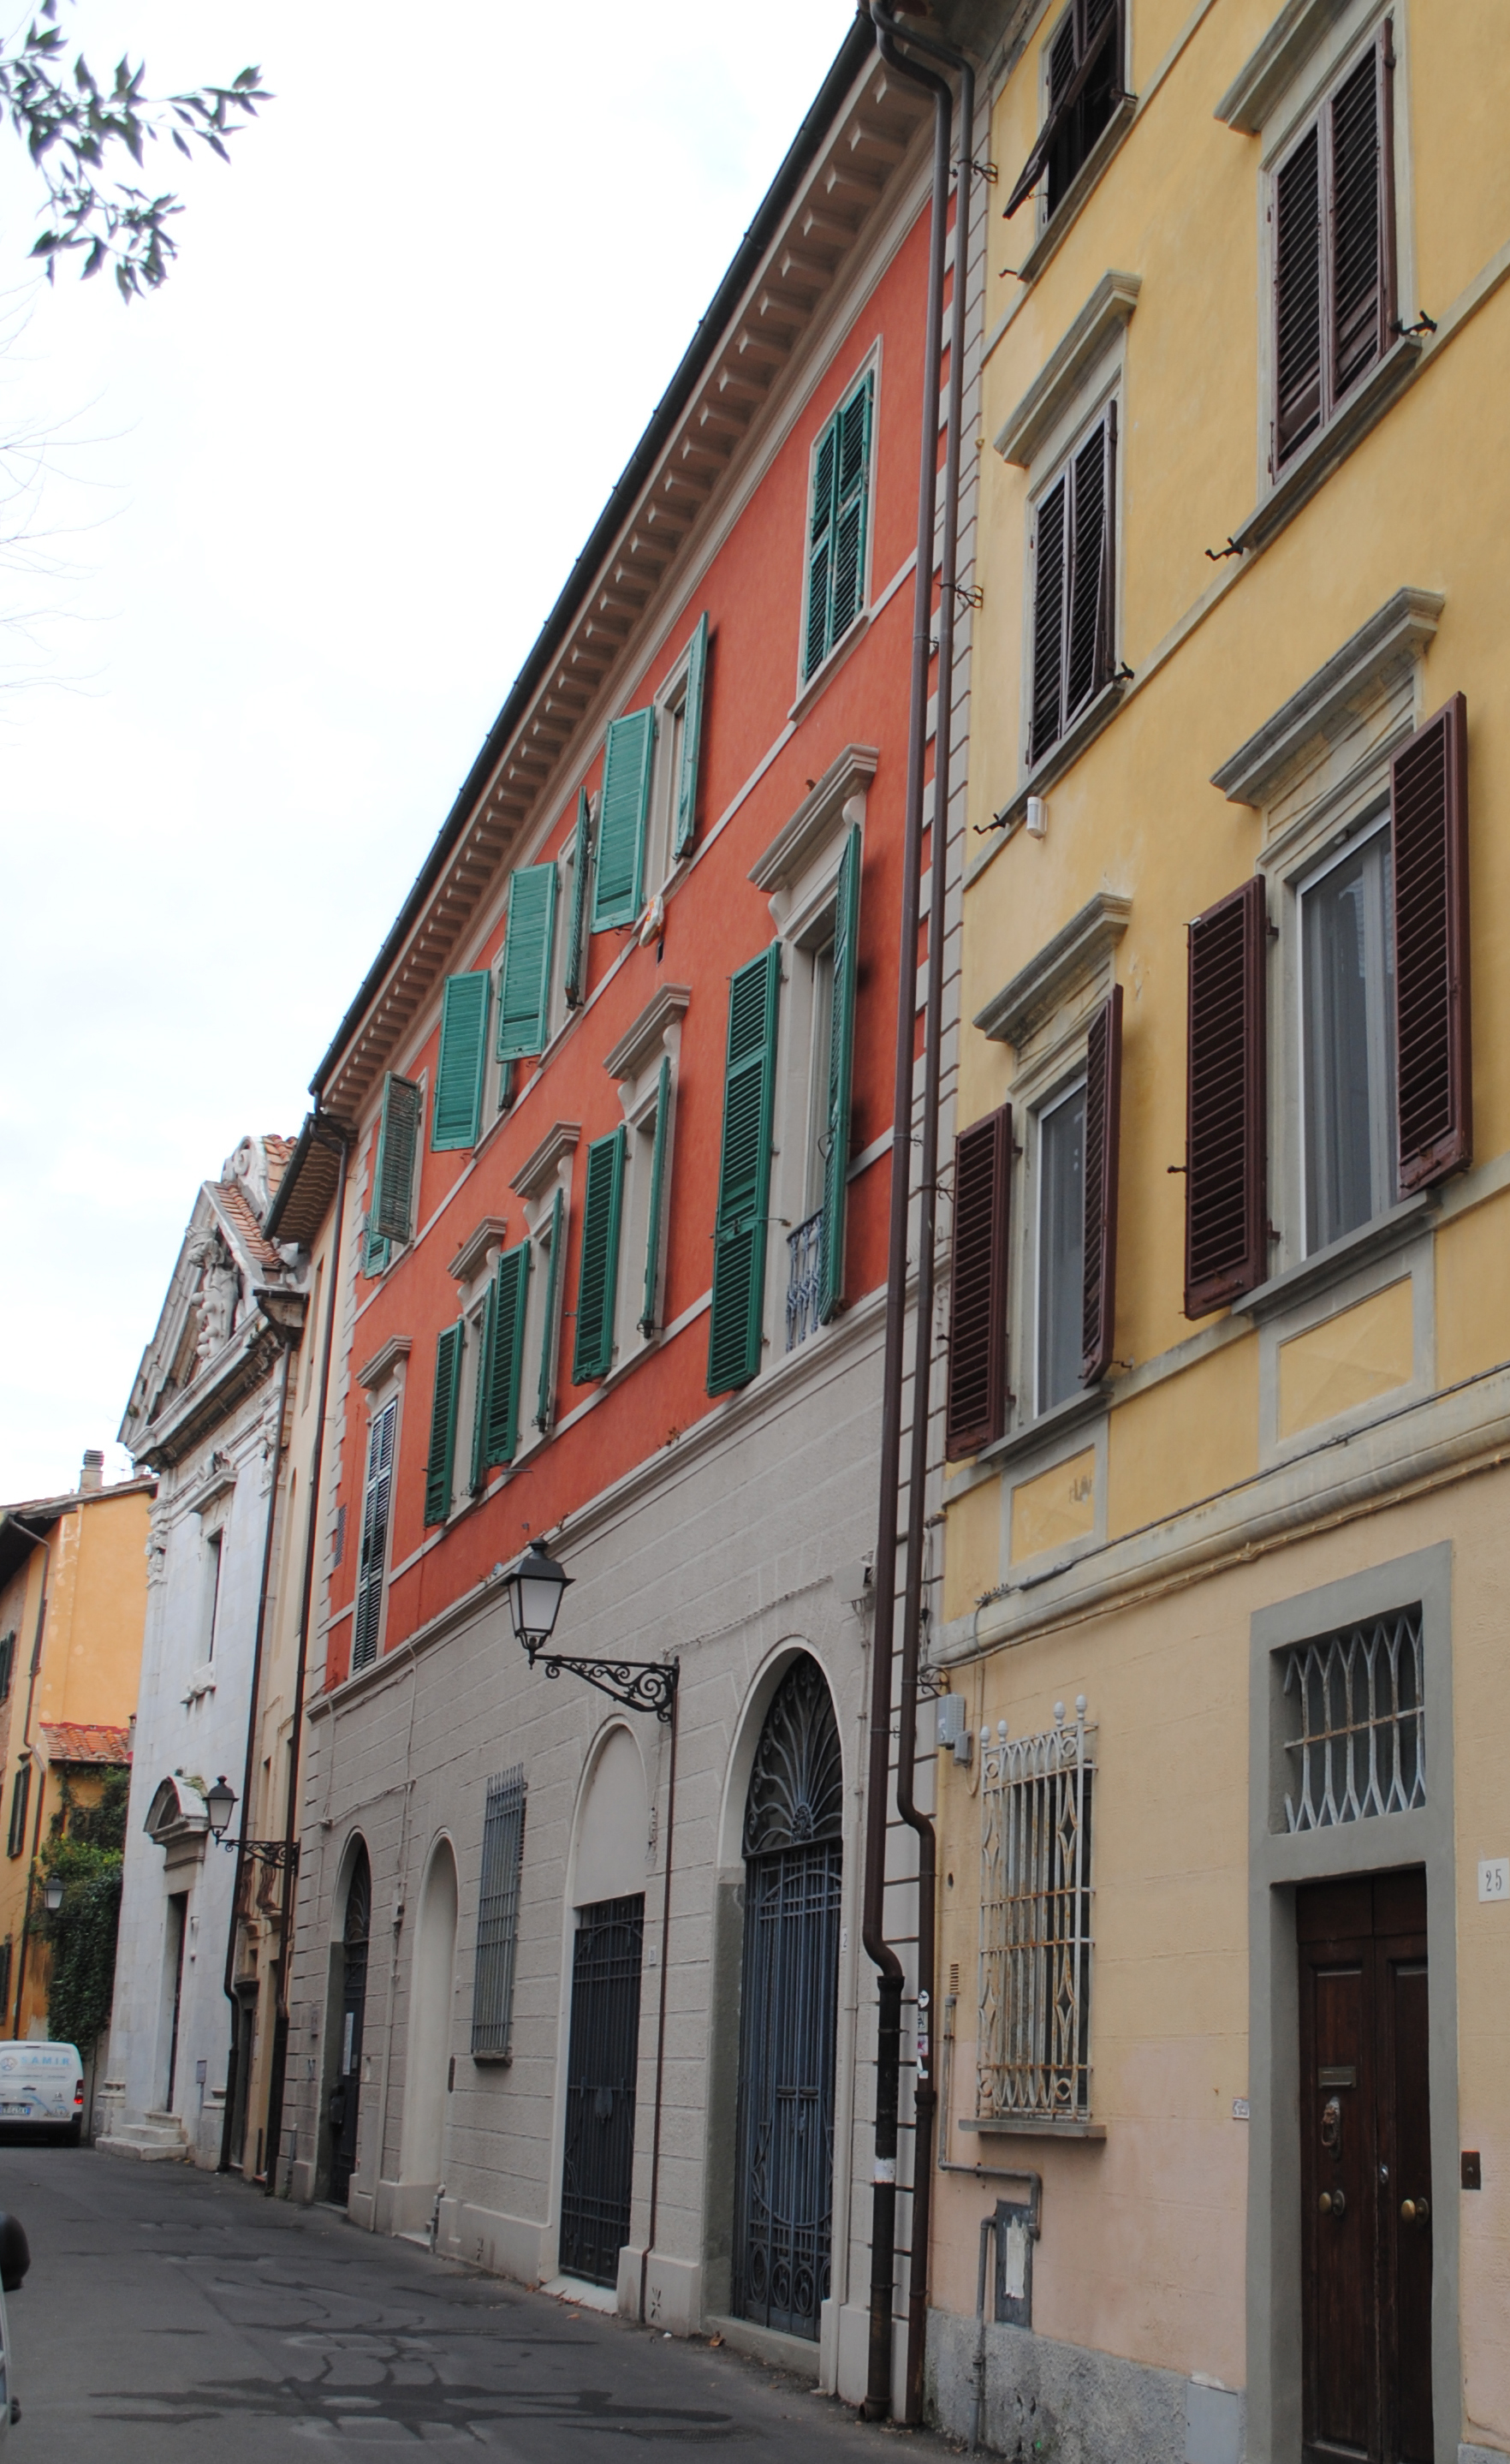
<point>952,1727</point>
<point>1015,2228</point>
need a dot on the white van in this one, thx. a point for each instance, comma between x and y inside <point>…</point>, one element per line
<point>42,2090</point>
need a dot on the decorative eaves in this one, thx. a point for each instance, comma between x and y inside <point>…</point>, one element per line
<point>1076,951</point>
<point>817,815</point>
<point>1395,637</point>
<point>1054,388</point>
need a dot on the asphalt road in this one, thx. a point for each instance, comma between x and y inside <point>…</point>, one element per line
<point>171,2314</point>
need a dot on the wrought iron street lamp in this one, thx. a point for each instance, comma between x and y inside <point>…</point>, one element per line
<point>52,1894</point>
<point>533,1588</point>
<point>220,1804</point>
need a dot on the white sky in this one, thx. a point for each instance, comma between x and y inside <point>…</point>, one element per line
<point>303,513</point>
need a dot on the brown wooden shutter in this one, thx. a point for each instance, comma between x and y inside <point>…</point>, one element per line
<point>1226,1144</point>
<point>1434,1080</point>
<point>1357,270</point>
<point>1087,662</point>
<point>1298,297</point>
<point>975,1410</point>
<point>1050,546</point>
<point>1102,1151</point>
<point>1085,83</point>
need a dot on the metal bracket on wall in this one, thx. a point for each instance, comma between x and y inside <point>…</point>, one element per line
<point>638,1684</point>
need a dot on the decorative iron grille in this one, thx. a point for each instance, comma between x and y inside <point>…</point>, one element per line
<point>1035,1921</point>
<point>804,1281</point>
<point>498,1916</point>
<point>1356,1701</point>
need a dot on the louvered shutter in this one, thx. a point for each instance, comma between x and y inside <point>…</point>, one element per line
<point>684,827</point>
<point>457,1116</point>
<point>621,819</point>
<point>391,1214</point>
<point>1226,1146</point>
<point>546,1393</point>
<point>508,1299</point>
<point>524,985</point>
<point>1087,661</point>
<point>1103,1149</point>
<point>576,971</point>
<point>375,1253</point>
<point>367,1611</point>
<point>598,1273</point>
<point>1084,82</point>
<point>1434,1075</point>
<point>499,1915</point>
<point>1298,296</point>
<point>486,1327</point>
<point>840,1074</point>
<point>441,1463</point>
<point>852,493</point>
<point>1333,226</point>
<point>975,1404</point>
<point>649,1313</point>
<point>821,548</point>
<point>1357,270</point>
<point>1050,543</point>
<point>744,1175</point>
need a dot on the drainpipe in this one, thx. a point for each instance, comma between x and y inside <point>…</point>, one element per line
<point>928,1207</point>
<point>889,1980</point>
<point>280,2031</point>
<point>660,2027</point>
<point>233,2060</point>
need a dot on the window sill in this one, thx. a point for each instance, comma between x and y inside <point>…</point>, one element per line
<point>1073,1414</point>
<point>1035,2125</point>
<point>1098,713</point>
<point>822,677</point>
<point>1392,1230</point>
<point>1320,459</point>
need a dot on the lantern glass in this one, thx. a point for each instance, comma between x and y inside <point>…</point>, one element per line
<point>54,1894</point>
<point>535,1589</point>
<point>220,1804</point>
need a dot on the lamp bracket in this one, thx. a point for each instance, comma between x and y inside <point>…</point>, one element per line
<point>639,1685</point>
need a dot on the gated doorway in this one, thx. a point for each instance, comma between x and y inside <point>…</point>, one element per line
<point>602,2062</point>
<point>346,2094</point>
<point>1366,2169</point>
<point>793,1833</point>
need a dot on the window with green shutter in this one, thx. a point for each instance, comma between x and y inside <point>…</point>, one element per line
<point>524,981</point>
<point>574,971</point>
<point>599,1272</point>
<point>649,1312</point>
<point>624,803</point>
<point>457,1117</point>
<point>545,1398</point>
<point>838,525</point>
<point>482,1339</point>
<point>684,827</point>
<point>508,1302</point>
<point>439,1470</point>
<point>744,1175</point>
<point>390,1216</point>
<point>840,1071</point>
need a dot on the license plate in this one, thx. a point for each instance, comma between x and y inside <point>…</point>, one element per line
<point>15,2113</point>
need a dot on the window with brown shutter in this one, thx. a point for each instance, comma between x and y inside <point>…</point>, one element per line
<point>1085,86</point>
<point>1226,1199</point>
<point>1434,1081</point>
<point>1331,215</point>
<point>977,1403</point>
<point>1102,1151</point>
<point>1073,535</point>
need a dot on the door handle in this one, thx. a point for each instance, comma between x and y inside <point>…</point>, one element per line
<point>1414,2212</point>
<point>1334,2202</point>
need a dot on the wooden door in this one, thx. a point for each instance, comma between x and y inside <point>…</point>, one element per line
<point>1366,2169</point>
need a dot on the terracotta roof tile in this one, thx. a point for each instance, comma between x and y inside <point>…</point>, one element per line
<point>72,1741</point>
<point>247,1224</point>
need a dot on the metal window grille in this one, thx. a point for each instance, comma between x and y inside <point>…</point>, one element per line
<point>20,1792</point>
<point>373,1561</point>
<point>804,1281</point>
<point>499,1915</point>
<point>1356,1711</point>
<point>1035,1921</point>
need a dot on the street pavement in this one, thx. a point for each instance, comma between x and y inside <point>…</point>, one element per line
<point>171,2314</point>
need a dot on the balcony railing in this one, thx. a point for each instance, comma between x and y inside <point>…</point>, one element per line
<point>804,1279</point>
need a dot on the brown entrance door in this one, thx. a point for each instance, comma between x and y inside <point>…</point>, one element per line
<point>1366,2169</point>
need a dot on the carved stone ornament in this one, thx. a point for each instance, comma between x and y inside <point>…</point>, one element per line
<point>217,1294</point>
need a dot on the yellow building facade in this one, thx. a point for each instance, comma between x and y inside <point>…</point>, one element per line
<point>73,1602</point>
<point>1225,1841</point>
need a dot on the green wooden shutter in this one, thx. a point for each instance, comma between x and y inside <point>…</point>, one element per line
<point>599,1272</point>
<point>744,1175</point>
<point>851,492</point>
<point>480,1457</point>
<point>621,819</point>
<point>375,1253</point>
<point>652,1239</point>
<point>457,1117</point>
<point>546,1394</point>
<point>576,970</point>
<point>391,1214</point>
<point>441,1465</point>
<point>840,1071</point>
<point>524,984</point>
<point>510,1292</point>
<point>691,740</point>
<point>821,547</point>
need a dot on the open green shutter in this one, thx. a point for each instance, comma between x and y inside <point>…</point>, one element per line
<point>441,1465</point>
<point>851,491</point>
<point>840,1071</point>
<point>691,740</point>
<point>821,548</point>
<point>524,984</point>
<point>546,1394</point>
<point>598,1271</point>
<point>744,1175</point>
<point>510,1292</point>
<point>391,1214</point>
<point>576,968</point>
<point>652,1241</point>
<point>621,819</point>
<point>479,1417</point>
<point>457,1117</point>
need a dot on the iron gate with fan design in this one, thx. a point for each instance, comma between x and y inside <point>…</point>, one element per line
<point>793,1846</point>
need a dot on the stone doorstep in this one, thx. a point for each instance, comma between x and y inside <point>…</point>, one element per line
<point>159,2138</point>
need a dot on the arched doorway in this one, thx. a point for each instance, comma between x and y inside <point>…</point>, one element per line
<point>603,2047</point>
<point>346,2094</point>
<point>427,2069</point>
<point>794,1862</point>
